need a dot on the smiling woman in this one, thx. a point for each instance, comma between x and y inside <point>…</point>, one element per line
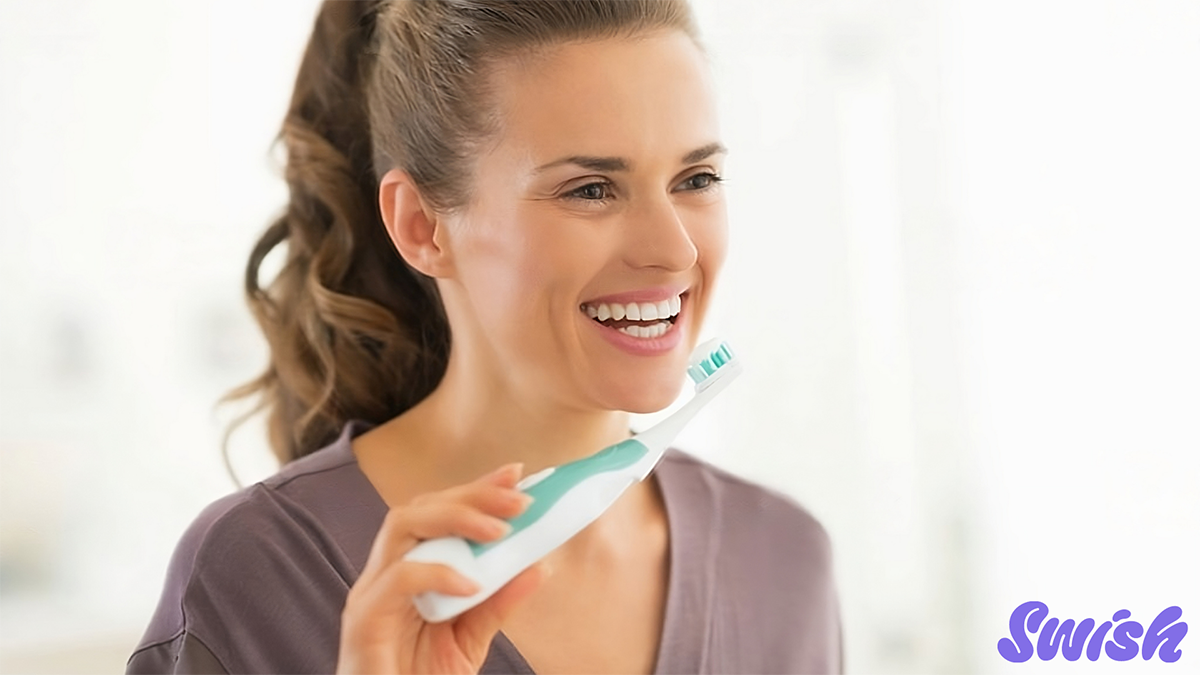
<point>505,227</point>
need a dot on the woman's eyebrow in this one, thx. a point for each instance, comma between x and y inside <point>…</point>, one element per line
<point>704,153</point>
<point>614,164</point>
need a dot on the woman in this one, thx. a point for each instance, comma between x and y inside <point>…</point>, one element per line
<point>475,186</point>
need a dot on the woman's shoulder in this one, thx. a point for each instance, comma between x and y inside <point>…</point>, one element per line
<point>744,510</point>
<point>303,494</point>
<point>239,564</point>
<point>767,563</point>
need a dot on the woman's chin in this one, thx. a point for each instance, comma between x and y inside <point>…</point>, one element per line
<point>646,396</point>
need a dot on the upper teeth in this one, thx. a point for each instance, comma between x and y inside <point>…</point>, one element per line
<point>634,311</point>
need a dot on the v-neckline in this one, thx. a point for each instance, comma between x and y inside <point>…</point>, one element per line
<point>673,582</point>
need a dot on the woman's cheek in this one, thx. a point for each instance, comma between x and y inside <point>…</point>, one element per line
<point>498,259</point>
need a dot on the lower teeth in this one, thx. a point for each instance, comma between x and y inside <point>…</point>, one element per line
<point>651,331</point>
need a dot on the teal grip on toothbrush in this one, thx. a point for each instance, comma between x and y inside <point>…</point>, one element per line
<point>550,489</point>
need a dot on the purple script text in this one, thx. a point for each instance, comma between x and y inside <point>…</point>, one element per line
<point>1163,635</point>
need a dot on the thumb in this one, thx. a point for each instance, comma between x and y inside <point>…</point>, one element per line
<point>476,627</point>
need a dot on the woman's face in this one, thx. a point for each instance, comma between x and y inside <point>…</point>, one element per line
<point>587,256</point>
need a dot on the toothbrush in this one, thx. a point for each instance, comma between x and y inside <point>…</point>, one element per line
<point>567,498</point>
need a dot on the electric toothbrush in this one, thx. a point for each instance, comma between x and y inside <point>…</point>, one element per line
<point>567,498</point>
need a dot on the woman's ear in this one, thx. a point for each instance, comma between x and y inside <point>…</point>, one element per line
<point>414,228</point>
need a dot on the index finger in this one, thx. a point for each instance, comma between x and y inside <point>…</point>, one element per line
<point>436,514</point>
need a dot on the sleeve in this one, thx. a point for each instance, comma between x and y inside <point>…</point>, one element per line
<point>841,662</point>
<point>250,589</point>
<point>183,654</point>
<point>807,574</point>
<point>791,576</point>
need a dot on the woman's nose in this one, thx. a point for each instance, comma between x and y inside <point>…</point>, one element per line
<point>657,237</point>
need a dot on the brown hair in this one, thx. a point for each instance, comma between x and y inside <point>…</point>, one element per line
<point>353,331</point>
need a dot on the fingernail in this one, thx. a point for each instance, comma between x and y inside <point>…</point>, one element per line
<point>509,468</point>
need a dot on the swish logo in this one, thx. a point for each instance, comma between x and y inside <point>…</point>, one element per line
<point>1163,632</point>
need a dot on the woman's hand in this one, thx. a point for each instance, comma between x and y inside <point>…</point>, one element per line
<point>382,632</point>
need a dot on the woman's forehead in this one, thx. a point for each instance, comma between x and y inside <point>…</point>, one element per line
<point>625,97</point>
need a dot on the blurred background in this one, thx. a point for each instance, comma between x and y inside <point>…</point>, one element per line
<point>963,275</point>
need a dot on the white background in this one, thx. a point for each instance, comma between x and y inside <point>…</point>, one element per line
<point>963,275</point>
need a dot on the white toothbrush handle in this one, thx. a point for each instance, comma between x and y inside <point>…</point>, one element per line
<point>575,509</point>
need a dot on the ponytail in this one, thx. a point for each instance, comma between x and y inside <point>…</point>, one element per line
<point>353,331</point>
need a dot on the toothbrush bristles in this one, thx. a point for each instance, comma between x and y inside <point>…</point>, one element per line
<point>705,367</point>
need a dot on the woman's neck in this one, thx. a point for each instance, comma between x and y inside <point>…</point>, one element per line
<point>471,425</point>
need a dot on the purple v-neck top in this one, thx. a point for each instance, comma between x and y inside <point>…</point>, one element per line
<point>258,581</point>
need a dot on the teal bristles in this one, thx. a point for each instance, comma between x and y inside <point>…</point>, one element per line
<point>706,366</point>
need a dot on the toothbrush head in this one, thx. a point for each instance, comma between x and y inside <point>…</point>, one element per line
<point>713,361</point>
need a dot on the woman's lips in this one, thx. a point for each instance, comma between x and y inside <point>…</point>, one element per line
<point>653,294</point>
<point>637,336</point>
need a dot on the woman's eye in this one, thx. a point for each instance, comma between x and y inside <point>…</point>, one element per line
<point>591,192</point>
<point>702,181</point>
